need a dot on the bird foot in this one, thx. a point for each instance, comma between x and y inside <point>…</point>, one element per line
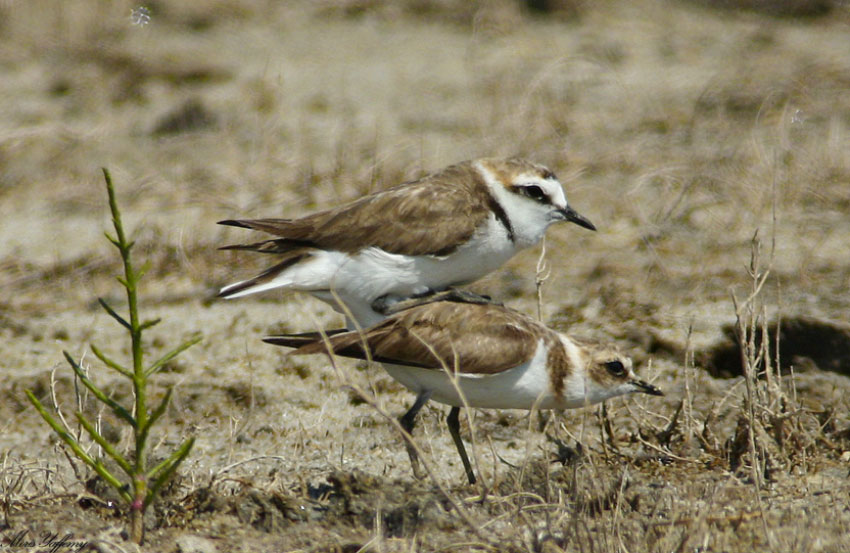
<point>388,305</point>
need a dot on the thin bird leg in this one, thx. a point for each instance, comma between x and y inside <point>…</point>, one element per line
<point>453,423</point>
<point>386,305</point>
<point>407,421</point>
<point>465,296</point>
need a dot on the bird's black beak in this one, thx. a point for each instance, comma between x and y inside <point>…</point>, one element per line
<point>571,215</point>
<point>646,388</point>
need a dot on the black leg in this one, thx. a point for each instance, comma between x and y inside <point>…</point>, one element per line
<point>390,305</point>
<point>453,423</point>
<point>465,296</point>
<point>407,422</point>
<point>386,306</point>
<point>382,305</point>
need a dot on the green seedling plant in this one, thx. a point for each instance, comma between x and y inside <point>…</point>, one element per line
<point>141,483</point>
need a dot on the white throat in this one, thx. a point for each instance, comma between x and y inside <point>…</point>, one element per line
<point>528,220</point>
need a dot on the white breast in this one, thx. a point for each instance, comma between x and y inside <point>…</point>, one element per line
<point>361,278</point>
<point>486,251</point>
<point>529,220</point>
<point>522,387</point>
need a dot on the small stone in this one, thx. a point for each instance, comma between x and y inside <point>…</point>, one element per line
<point>195,544</point>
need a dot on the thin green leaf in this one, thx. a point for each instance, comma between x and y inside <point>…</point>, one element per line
<point>58,428</point>
<point>77,449</point>
<point>160,409</point>
<point>163,471</point>
<point>113,313</point>
<point>112,239</point>
<point>115,406</point>
<point>172,354</point>
<point>109,362</point>
<point>113,206</point>
<point>107,447</point>
<point>122,488</point>
<point>149,323</point>
<point>156,414</point>
<point>141,272</point>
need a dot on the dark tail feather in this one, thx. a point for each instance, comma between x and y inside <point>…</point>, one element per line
<point>314,342</point>
<point>263,277</point>
<point>266,246</point>
<point>344,343</point>
<point>278,227</point>
<point>232,290</point>
<point>298,340</point>
<point>234,223</point>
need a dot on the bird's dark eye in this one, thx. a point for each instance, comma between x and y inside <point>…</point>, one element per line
<point>616,368</point>
<point>534,192</point>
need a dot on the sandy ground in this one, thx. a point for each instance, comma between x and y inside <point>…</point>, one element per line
<point>681,131</point>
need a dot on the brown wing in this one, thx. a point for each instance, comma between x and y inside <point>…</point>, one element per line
<point>477,339</point>
<point>425,217</point>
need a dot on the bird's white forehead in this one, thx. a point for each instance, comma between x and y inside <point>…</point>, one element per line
<point>500,174</point>
<point>551,186</point>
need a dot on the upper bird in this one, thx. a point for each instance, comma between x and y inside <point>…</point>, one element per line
<point>447,229</point>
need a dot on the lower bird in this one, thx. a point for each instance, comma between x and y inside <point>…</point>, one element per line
<point>483,355</point>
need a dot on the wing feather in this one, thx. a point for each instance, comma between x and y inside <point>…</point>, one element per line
<point>476,339</point>
<point>430,216</point>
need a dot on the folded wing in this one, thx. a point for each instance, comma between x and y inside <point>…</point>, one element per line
<point>469,338</point>
<point>431,216</point>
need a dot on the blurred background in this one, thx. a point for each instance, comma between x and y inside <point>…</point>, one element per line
<point>680,128</point>
<point>692,133</point>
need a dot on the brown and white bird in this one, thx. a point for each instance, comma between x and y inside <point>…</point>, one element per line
<point>444,230</point>
<point>481,355</point>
